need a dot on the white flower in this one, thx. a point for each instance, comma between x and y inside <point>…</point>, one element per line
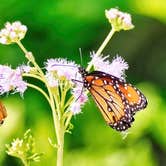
<point>17,143</point>
<point>119,20</point>
<point>13,32</point>
<point>24,148</point>
<point>11,80</point>
<point>116,68</point>
<point>62,67</point>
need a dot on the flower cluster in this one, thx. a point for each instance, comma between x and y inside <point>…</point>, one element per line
<point>119,20</point>
<point>11,80</point>
<point>116,68</point>
<point>60,69</point>
<point>16,146</point>
<point>24,148</point>
<point>12,33</point>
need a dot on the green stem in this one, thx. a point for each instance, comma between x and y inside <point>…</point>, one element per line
<point>64,88</point>
<point>22,47</point>
<point>60,139</point>
<point>32,59</point>
<point>58,125</point>
<point>59,128</point>
<point>25,162</point>
<point>33,76</point>
<point>68,102</point>
<point>68,119</point>
<point>40,90</point>
<point>99,51</point>
<point>107,39</point>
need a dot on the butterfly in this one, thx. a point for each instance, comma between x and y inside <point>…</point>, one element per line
<point>3,113</point>
<point>117,100</point>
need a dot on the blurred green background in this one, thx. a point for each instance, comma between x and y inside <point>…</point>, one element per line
<point>58,28</point>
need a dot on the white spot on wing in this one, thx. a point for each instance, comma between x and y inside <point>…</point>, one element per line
<point>129,95</point>
<point>105,82</point>
<point>93,82</point>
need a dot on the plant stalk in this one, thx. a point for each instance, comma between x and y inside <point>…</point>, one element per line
<point>101,48</point>
<point>60,140</point>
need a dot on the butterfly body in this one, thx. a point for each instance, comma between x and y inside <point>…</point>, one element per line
<point>117,100</point>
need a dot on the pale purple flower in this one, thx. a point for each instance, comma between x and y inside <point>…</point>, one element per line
<point>80,98</point>
<point>25,68</point>
<point>57,68</point>
<point>11,80</point>
<point>100,63</point>
<point>13,32</point>
<point>62,67</point>
<point>116,68</point>
<point>79,93</point>
<point>119,20</point>
<point>75,108</point>
<point>127,24</point>
<point>112,13</point>
<point>52,80</point>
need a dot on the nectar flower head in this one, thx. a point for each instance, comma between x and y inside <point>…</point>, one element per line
<point>80,98</point>
<point>75,108</point>
<point>12,33</point>
<point>24,148</point>
<point>52,80</point>
<point>116,68</point>
<point>25,68</point>
<point>62,68</point>
<point>119,20</point>
<point>15,145</point>
<point>11,80</point>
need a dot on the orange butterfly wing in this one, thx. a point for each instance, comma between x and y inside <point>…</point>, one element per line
<point>3,113</point>
<point>117,100</point>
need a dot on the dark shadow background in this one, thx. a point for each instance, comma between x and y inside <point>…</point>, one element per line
<point>58,28</point>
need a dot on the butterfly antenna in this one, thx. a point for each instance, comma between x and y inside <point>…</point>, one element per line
<point>80,51</point>
<point>80,94</point>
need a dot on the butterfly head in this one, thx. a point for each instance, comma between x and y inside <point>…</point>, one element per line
<point>82,71</point>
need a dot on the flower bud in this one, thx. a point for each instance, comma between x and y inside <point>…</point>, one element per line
<point>119,20</point>
<point>12,33</point>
